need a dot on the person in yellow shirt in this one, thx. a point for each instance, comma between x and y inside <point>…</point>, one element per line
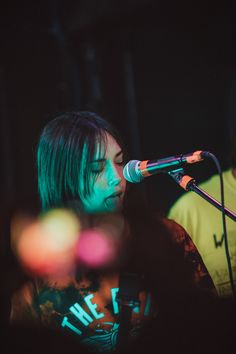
<point>203,222</point>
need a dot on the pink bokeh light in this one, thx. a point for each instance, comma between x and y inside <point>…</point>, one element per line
<point>95,249</point>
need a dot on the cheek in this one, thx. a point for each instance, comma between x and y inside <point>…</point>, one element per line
<point>99,185</point>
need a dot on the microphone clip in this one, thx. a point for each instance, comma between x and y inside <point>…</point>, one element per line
<point>185,181</point>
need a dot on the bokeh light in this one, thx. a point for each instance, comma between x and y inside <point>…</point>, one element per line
<point>62,226</point>
<point>95,249</point>
<point>47,246</point>
<point>19,222</point>
<point>100,246</point>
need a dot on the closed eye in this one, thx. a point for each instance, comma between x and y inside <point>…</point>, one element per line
<point>120,163</point>
<point>97,166</point>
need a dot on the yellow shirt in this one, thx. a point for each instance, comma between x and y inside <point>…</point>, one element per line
<point>203,222</point>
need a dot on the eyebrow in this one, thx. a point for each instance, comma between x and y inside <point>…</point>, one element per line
<point>102,159</point>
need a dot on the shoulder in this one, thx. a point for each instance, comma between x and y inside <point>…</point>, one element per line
<point>184,202</point>
<point>22,303</point>
<point>178,233</point>
<point>192,201</point>
<point>181,238</point>
<point>25,293</point>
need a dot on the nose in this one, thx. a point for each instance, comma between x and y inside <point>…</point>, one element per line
<point>114,181</point>
<point>114,177</point>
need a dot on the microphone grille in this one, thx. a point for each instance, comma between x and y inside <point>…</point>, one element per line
<point>131,173</point>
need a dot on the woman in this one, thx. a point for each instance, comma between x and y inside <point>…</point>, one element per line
<point>80,159</point>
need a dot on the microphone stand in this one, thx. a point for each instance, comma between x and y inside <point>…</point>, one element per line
<point>188,183</point>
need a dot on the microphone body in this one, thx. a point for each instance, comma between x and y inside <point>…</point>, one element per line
<point>135,171</point>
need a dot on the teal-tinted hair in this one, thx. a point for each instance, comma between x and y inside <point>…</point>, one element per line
<point>62,144</point>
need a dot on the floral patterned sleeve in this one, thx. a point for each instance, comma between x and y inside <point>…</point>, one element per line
<point>201,275</point>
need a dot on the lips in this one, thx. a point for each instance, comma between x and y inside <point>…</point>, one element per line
<point>113,200</point>
<point>116,194</point>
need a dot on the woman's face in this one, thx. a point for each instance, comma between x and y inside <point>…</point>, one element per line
<point>107,182</point>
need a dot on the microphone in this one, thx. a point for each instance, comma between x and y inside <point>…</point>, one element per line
<point>135,171</point>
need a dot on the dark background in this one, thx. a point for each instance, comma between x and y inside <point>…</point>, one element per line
<point>163,72</point>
